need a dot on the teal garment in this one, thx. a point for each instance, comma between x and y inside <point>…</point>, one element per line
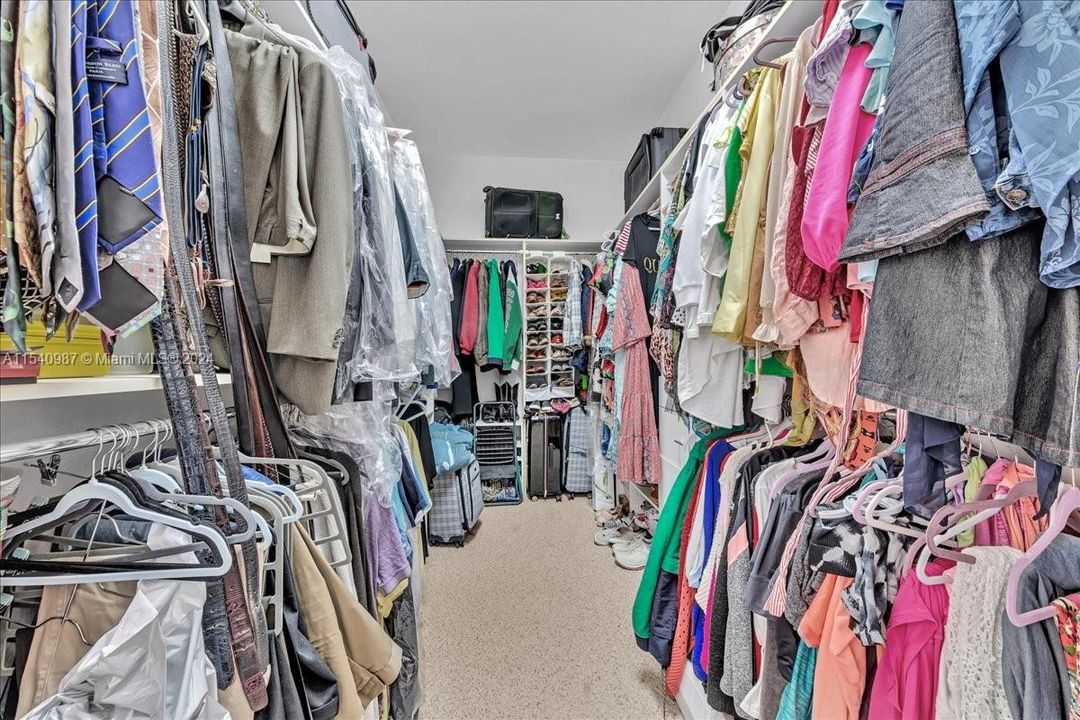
<point>496,329</point>
<point>512,338</point>
<point>797,701</point>
<point>876,22</point>
<point>401,518</point>
<point>666,537</point>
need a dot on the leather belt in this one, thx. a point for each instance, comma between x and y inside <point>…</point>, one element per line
<point>247,624</point>
<point>231,250</point>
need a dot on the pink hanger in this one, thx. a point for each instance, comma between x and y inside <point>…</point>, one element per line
<point>946,520</point>
<point>951,515</point>
<point>984,509</point>
<point>1068,503</point>
<point>864,495</point>
<point>801,468</point>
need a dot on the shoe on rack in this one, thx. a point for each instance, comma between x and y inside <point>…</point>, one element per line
<point>613,534</point>
<point>631,555</point>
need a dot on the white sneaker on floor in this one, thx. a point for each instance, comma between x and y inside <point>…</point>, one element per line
<point>613,534</point>
<point>632,555</point>
<point>626,542</point>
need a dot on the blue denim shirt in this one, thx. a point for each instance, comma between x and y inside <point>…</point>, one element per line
<point>1022,116</point>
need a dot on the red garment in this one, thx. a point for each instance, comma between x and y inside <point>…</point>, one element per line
<point>828,12</point>
<point>470,311</point>
<point>804,277</point>
<point>638,457</point>
<point>680,646</point>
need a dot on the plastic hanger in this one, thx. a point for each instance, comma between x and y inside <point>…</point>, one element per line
<point>316,495</point>
<point>807,463</point>
<point>864,495</point>
<point>1068,502</point>
<point>171,469</point>
<point>153,475</point>
<point>874,520</point>
<point>942,529</point>
<point>98,492</point>
<point>766,43</point>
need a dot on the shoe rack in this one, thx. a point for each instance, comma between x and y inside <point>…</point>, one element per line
<point>559,257</point>
<point>548,373</point>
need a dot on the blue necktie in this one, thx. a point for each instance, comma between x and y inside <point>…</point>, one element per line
<point>125,181</point>
<point>85,190</point>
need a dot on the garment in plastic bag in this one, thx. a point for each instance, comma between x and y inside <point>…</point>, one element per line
<point>386,331</point>
<point>365,428</point>
<point>153,664</point>
<point>434,324</point>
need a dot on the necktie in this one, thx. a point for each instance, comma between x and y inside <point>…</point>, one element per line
<point>67,276</point>
<point>85,193</point>
<point>35,208</point>
<point>127,188</point>
<point>11,312</point>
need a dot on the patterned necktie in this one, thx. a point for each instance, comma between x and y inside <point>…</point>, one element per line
<point>85,186</point>
<point>127,188</point>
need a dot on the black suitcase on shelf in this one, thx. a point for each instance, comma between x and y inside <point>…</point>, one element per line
<point>510,213</point>
<point>545,458</point>
<point>651,151</point>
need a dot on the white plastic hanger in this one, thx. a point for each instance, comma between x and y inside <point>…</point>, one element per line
<point>97,492</point>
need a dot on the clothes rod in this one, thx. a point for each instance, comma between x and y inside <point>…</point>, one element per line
<point>102,436</point>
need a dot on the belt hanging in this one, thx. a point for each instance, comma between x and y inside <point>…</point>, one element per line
<point>231,247</point>
<point>246,622</point>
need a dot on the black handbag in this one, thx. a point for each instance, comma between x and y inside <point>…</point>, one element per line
<point>651,151</point>
<point>510,213</point>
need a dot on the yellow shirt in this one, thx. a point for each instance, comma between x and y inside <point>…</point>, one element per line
<point>757,153</point>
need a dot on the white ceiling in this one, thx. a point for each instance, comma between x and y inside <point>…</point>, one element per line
<point>532,78</point>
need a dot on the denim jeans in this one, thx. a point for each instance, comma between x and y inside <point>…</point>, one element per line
<point>966,332</point>
<point>922,187</point>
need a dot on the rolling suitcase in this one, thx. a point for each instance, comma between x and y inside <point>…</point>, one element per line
<point>577,473</point>
<point>457,499</point>
<point>545,458</point>
<point>652,150</point>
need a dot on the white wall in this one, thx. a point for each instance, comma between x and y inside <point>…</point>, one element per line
<point>690,98</point>
<point>591,190</point>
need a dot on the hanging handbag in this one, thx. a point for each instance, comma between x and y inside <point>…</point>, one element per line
<point>729,42</point>
<point>510,213</point>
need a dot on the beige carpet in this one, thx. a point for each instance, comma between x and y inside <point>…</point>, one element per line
<point>532,620</point>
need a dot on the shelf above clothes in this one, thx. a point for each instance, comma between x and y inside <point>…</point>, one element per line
<point>521,245</point>
<point>87,386</point>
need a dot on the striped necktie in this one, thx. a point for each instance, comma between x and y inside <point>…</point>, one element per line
<point>85,191</point>
<point>126,187</point>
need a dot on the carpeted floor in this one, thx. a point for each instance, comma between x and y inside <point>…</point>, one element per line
<point>532,620</point>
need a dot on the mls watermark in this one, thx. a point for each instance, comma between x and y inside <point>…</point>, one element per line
<point>69,359</point>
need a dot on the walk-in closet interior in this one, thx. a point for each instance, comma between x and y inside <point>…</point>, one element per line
<point>539,360</point>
